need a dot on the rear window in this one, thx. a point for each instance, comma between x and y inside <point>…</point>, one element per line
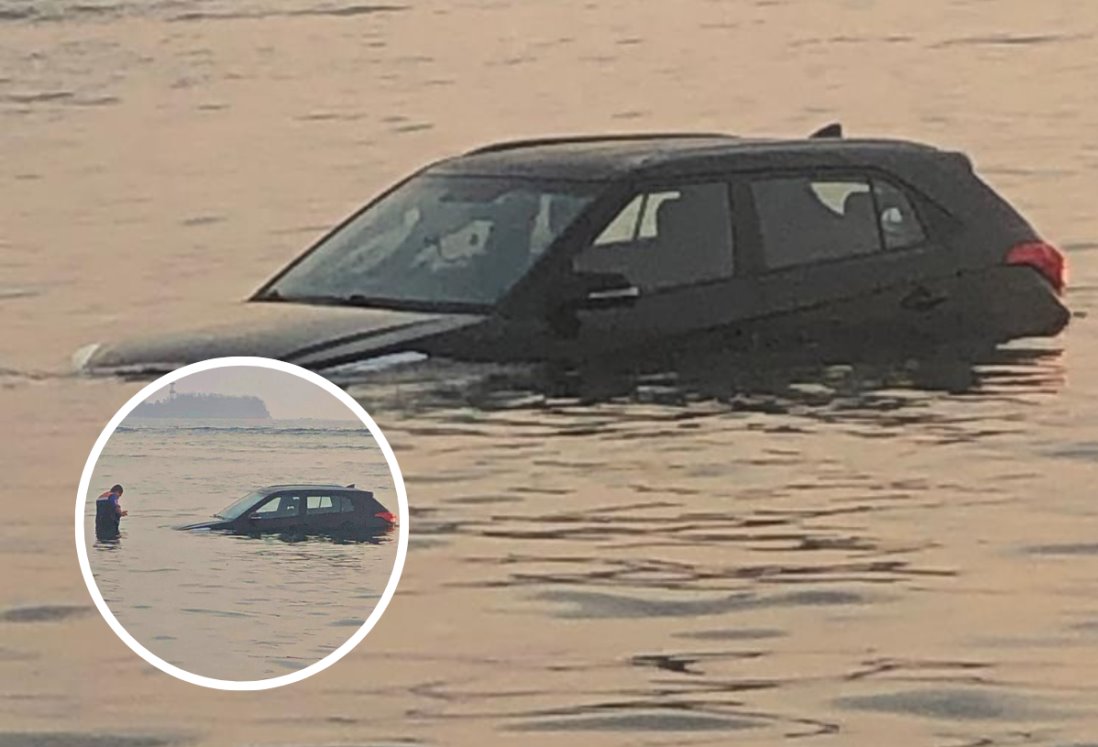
<point>816,219</point>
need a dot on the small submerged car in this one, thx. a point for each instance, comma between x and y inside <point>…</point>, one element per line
<point>572,248</point>
<point>302,508</point>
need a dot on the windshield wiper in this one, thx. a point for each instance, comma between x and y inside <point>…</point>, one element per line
<point>355,299</point>
<point>359,300</point>
<point>274,295</point>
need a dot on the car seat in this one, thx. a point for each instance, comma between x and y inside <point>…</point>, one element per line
<point>860,232</point>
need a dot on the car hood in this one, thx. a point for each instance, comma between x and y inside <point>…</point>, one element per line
<point>314,337</point>
<point>200,525</point>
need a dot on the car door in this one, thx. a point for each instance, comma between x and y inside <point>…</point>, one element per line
<point>669,259</point>
<point>278,513</point>
<point>846,260</point>
<point>324,510</point>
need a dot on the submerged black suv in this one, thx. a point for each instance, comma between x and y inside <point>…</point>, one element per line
<point>578,247</point>
<point>301,508</point>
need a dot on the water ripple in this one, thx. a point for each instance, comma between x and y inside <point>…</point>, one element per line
<point>43,613</point>
<point>954,705</point>
<point>84,739</point>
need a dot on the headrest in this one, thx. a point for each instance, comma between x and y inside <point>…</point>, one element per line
<point>673,217</point>
<point>858,203</point>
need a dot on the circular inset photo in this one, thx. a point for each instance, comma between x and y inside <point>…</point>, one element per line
<point>241,523</point>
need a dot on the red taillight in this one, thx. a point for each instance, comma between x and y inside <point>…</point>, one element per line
<point>391,518</point>
<point>1045,258</point>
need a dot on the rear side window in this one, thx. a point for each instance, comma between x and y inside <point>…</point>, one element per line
<point>815,219</point>
<point>806,220</point>
<point>323,504</point>
<point>667,237</point>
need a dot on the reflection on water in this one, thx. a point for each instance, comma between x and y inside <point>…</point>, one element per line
<point>174,10</point>
<point>82,739</point>
<point>954,704</point>
<point>767,515</point>
<point>342,537</point>
<point>759,550</point>
<point>738,382</point>
<point>42,613</point>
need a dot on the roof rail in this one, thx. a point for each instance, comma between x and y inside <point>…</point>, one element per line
<point>566,139</point>
<point>304,485</point>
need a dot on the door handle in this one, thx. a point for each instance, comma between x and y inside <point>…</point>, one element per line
<point>922,299</point>
<point>614,294</point>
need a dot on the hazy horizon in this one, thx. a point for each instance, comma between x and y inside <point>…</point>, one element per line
<point>286,396</point>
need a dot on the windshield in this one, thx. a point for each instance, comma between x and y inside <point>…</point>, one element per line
<point>237,509</point>
<point>437,240</point>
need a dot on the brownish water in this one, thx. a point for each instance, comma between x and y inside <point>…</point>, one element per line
<point>235,607</point>
<point>904,557</point>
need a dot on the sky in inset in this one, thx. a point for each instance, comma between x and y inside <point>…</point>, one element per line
<point>286,396</point>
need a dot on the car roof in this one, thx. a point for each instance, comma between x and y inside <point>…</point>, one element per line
<point>606,157</point>
<point>310,486</point>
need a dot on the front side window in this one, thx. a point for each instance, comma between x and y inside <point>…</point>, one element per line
<point>437,240</point>
<point>279,507</point>
<point>667,237</point>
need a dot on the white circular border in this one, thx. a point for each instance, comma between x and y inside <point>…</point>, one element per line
<point>402,526</point>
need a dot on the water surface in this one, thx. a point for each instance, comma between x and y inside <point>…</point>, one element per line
<point>898,554</point>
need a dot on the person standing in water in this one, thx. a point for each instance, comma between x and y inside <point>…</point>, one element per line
<point>108,514</point>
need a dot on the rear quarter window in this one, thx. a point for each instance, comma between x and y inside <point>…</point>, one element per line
<point>900,224</point>
<point>368,504</point>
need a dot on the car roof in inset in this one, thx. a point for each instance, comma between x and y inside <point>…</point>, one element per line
<point>309,486</point>
<point>603,157</point>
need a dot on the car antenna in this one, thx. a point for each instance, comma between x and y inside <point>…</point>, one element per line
<point>835,129</point>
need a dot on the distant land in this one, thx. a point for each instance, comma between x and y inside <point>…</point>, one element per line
<point>203,406</point>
